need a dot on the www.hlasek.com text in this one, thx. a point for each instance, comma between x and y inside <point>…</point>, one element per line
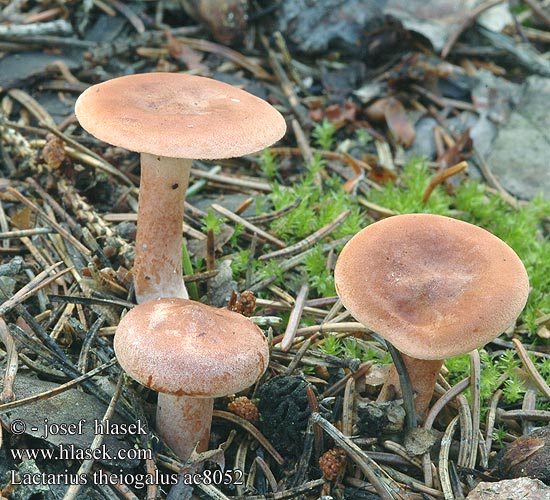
<point>72,452</point>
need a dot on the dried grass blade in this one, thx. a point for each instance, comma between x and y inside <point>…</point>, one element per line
<point>232,55</point>
<point>530,367</point>
<point>294,318</point>
<point>310,240</point>
<point>37,283</point>
<point>32,106</point>
<point>87,464</point>
<point>247,426</point>
<point>251,227</point>
<point>12,363</point>
<point>475,388</point>
<point>368,466</point>
<point>444,460</point>
<point>62,231</point>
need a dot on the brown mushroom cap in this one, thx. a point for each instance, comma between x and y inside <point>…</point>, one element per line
<point>186,348</point>
<point>178,115</point>
<point>435,287</point>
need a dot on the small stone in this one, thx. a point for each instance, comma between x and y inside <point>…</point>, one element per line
<point>518,153</point>
<point>527,456</point>
<point>376,418</point>
<point>222,285</point>
<point>419,441</point>
<point>522,488</point>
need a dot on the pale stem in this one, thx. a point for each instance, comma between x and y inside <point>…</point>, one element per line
<point>183,422</point>
<point>423,375</point>
<point>159,239</point>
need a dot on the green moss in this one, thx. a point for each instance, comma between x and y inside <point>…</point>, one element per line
<point>543,366</point>
<point>320,204</point>
<point>332,346</point>
<point>405,197</point>
<point>320,278</point>
<point>513,389</point>
<point>499,436</point>
<point>238,230</point>
<point>323,134</point>
<point>459,368</point>
<point>493,370</point>
<point>211,221</point>
<point>268,164</point>
<point>349,347</point>
<point>239,262</point>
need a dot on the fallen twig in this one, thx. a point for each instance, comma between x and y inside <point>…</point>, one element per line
<point>12,363</point>
<point>58,390</point>
<point>308,241</point>
<point>467,21</point>
<point>530,367</point>
<point>86,465</point>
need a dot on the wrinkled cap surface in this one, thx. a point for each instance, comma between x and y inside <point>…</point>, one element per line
<point>178,115</point>
<point>186,348</point>
<point>434,286</point>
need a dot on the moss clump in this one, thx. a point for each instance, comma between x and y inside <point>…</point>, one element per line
<point>522,228</point>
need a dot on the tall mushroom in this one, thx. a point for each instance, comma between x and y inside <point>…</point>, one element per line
<point>434,287</point>
<point>190,353</point>
<point>170,119</point>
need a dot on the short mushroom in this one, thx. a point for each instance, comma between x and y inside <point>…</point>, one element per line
<point>190,353</point>
<point>433,286</point>
<point>170,119</point>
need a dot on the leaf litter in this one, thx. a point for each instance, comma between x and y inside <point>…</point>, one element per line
<point>67,214</point>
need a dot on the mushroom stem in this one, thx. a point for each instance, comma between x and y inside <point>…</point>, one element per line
<point>423,375</point>
<point>183,422</point>
<point>159,239</point>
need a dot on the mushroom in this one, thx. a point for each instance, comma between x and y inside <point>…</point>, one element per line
<point>433,286</point>
<point>170,119</point>
<point>190,353</point>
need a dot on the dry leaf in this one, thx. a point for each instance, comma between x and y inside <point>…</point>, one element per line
<point>398,122</point>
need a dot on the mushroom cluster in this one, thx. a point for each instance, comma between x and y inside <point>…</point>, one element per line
<point>189,352</point>
<point>433,286</point>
